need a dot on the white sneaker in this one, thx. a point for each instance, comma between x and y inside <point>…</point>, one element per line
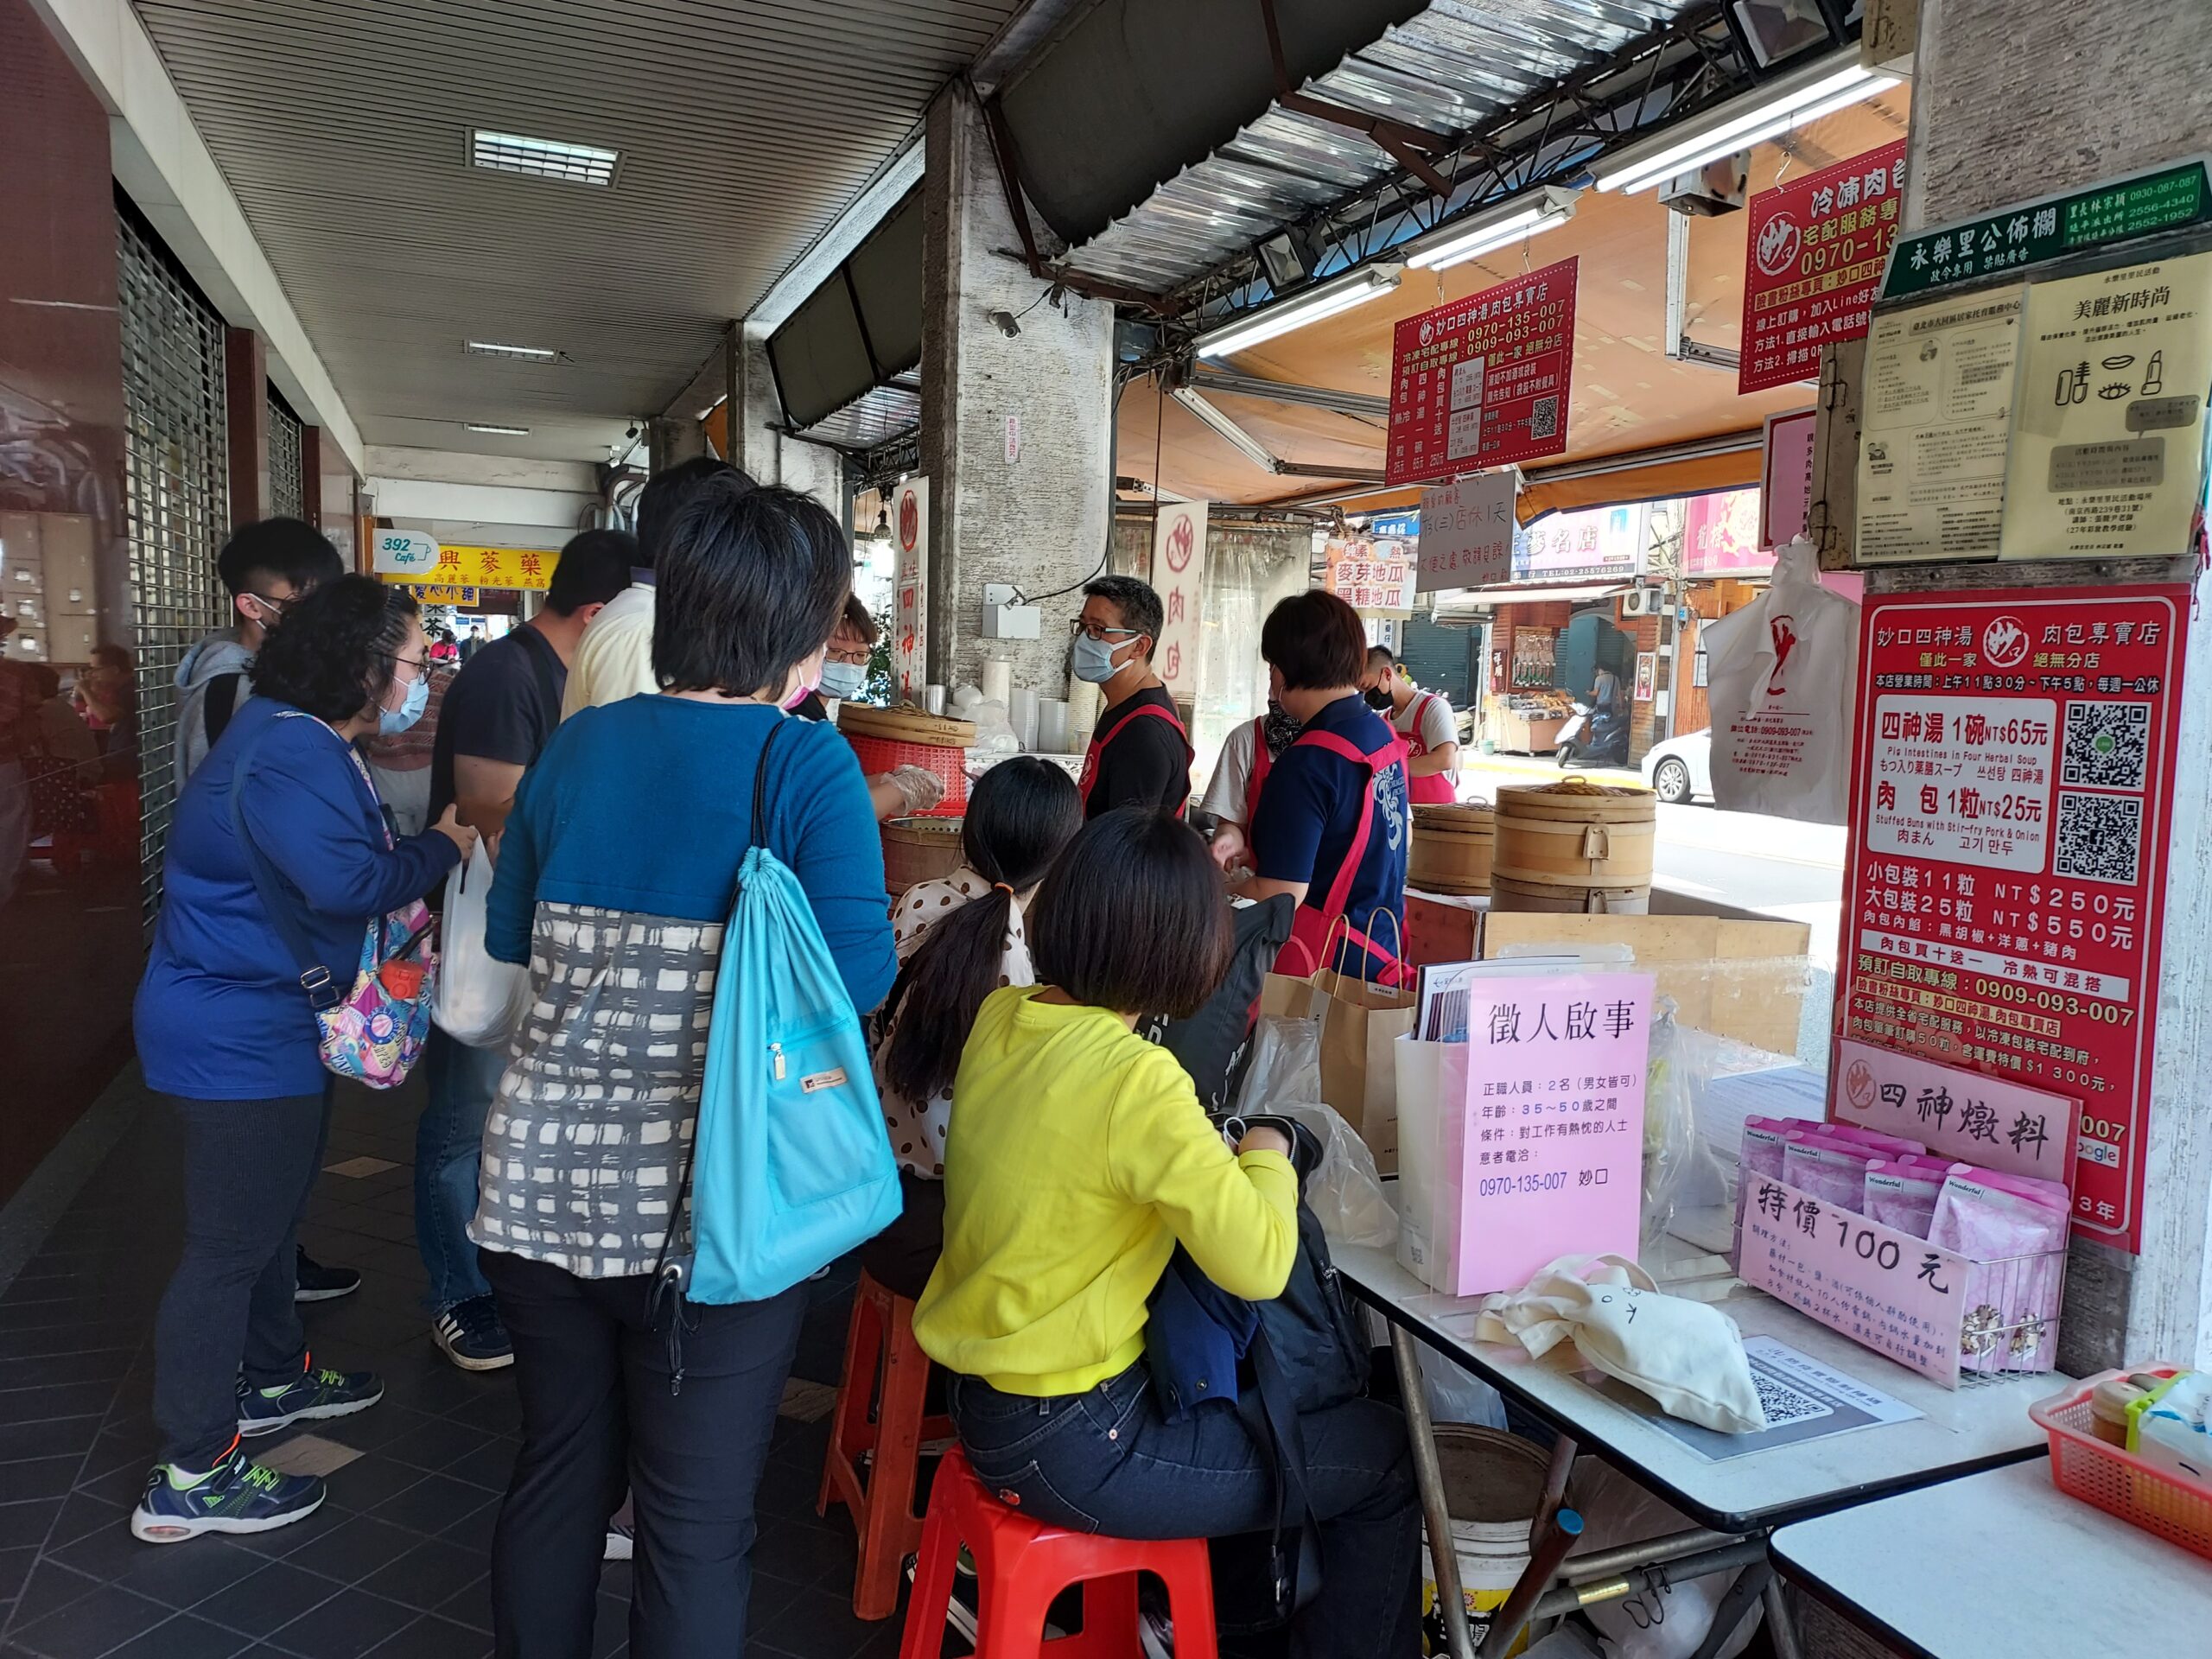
<point>621,1542</point>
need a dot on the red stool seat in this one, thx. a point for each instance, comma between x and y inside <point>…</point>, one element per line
<point>1021,1564</point>
<point>881,1429</point>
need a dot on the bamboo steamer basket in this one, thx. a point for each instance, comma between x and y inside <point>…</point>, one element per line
<point>1451,848</point>
<point>1573,846</point>
<point>915,850</point>
<point>887,737</point>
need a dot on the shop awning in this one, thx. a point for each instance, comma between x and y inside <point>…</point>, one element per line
<point>1467,604</point>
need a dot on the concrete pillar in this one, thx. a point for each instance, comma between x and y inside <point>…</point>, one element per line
<point>770,455</point>
<point>245,395</point>
<point>2013,99</point>
<point>1016,428</point>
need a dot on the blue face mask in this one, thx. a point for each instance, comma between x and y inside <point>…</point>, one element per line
<point>1094,658</point>
<point>843,680</point>
<point>390,722</point>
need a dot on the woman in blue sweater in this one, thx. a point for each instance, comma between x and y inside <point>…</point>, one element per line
<point>225,1031</point>
<point>617,871</point>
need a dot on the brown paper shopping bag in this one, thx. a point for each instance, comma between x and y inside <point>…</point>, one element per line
<point>1359,1022</point>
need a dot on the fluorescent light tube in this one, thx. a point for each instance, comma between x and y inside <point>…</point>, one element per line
<point>1788,101</point>
<point>541,158</point>
<point>1506,223</point>
<point>497,431</point>
<point>1340,293</point>
<point>527,353</point>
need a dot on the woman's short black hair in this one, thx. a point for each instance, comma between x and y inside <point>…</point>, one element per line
<point>1133,917</point>
<point>1315,641</point>
<point>1021,815</point>
<point>750,581</point>
<point>666,495</point>
<point>336,650</point>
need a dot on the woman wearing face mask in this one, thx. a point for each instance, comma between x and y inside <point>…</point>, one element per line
<point>227,1035</point>
<point>902,790</point>
<point>618,870</point>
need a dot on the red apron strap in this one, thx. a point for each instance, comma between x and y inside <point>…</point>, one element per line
<point>1262,762</point>
<point>1084,784</point>
<point>1332,908</point>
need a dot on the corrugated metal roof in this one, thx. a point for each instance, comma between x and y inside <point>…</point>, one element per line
<point>745,127</point>
<point>877,417</point>
<point>1446,70</point>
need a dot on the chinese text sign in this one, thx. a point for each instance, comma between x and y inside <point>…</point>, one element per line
<point>1721,536</point>
<point>2011,811</point>
<point>1885,1290</point>
<point>1467,533</point>
<point>1811,261</point>
<point>1483,382</point>
<point>909,528</point>
<point>485,567</point>
<point>1367,575</point>
<point>1970,1116</point>
<point>1553,1163</point>
<point>1179,575</point>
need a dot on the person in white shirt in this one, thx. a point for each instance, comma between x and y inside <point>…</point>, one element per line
<point>1425,720</point>
<point>614,659</point>
<point>1233,792</point>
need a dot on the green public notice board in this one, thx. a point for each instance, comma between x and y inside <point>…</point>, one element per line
<point>2167,199</point>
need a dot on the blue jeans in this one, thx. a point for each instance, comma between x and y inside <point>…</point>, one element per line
<point>448,1148</point>
<point>1107,1461</point>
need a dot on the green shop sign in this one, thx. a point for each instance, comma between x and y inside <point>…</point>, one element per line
<point>2170,199</point>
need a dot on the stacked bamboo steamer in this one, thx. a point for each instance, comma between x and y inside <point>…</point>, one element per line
<point>1573,846</point>
<point>915,850</point>
<point>1451,848</point>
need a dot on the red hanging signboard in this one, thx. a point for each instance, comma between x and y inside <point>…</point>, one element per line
<point>2011,803</point>
<point>1812,264</point>
<point>1483,382</point>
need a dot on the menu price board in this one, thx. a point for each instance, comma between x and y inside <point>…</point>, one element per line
<point>2011,806</point>
<point>1483,382</point>
<point>1811,261</point>
<point>2107,453</point>
<point>1369,575</point>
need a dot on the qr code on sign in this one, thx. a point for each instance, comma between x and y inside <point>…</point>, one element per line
<point>2107,744</point>
<point>2100,837</point>
<point>1544,417</point>
<point>1785,1404</point>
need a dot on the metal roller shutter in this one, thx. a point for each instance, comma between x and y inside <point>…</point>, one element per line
<point>177,505</point>
<point>286,489</point>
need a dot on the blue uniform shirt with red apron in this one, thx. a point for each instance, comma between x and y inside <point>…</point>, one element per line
<point>1139,756</point>
<point>1332,811</point>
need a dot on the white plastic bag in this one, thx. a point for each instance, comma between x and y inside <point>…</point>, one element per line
<point>1456,1394</point>
<point>481,1001</point>
<point>1780,678</point>
<point>1284,1079</point>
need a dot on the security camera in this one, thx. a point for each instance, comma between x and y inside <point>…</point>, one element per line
<point>633,432</point>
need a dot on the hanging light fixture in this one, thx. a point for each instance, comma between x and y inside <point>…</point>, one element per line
<point>1339,294</point>
<point>1546,209</point>
<point>1786,101</point>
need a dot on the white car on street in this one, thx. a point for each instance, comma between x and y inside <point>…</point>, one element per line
<point>1680,769</point>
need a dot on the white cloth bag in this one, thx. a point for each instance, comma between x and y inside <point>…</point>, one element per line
<point>481,1001</point>
<point>1688,1356</point>
<point>1780,678</point>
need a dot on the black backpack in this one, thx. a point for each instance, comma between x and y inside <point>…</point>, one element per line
<point>1271,1362</point>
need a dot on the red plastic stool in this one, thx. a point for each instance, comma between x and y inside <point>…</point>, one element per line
<point>1021,1564</point>
<point>886,1426</point>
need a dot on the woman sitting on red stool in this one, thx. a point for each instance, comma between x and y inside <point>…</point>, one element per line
<point>1078,1157</point>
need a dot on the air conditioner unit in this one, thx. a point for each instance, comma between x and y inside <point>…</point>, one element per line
<point>1643,601</point>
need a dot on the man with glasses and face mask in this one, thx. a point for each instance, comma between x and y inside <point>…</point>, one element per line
<point>903,789</point>
<point>1140,755</point>
<point>265,566</point>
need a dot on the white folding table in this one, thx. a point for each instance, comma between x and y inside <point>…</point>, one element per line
<point>2000,1563</point>
<point>1735,1502</point>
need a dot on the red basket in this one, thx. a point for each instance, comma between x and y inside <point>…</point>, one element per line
<point>879,754</point>
<point>2116,1480</point>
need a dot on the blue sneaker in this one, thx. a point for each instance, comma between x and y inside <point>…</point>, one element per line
<point>316,1394</point>
<point>235,1495</point>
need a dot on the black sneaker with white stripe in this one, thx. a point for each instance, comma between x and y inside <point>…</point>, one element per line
<point>313,1282</point>
<point>470,1335</point>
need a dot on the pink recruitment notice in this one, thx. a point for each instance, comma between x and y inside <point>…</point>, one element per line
<point>1552,1164</point>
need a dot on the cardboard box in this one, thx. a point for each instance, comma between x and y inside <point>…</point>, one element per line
<point>1743,980</point>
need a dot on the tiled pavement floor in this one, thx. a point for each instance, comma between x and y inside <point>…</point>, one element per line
<point>394,1562</point>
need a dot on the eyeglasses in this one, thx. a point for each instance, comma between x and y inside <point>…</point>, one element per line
<point>852,656</point>
<point>1098,631</point>
<point>274,605</point>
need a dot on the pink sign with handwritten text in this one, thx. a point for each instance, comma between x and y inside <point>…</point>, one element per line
<point>1968,1116</point>
<point>1885,1290</point>
<point>1553,1160</point>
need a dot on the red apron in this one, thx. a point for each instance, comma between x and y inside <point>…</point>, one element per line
<point>1319,921</point>
<point>1436,788</point>
<point>1098,745</point>
<point>1261,761</point>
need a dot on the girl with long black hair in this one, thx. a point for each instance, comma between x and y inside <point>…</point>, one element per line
<point>959,939</point>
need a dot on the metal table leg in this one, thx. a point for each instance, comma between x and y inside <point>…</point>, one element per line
<point>1428,1475</point>
<point>1781,1631</point>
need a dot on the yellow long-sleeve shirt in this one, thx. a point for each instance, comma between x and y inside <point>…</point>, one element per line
<point>1077,1157</point>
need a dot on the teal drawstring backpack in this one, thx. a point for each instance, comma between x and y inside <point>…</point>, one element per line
<point>791,1166</point>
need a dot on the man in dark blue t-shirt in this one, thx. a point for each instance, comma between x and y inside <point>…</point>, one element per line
<point>1331,824</point>
<point>495,720</point>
